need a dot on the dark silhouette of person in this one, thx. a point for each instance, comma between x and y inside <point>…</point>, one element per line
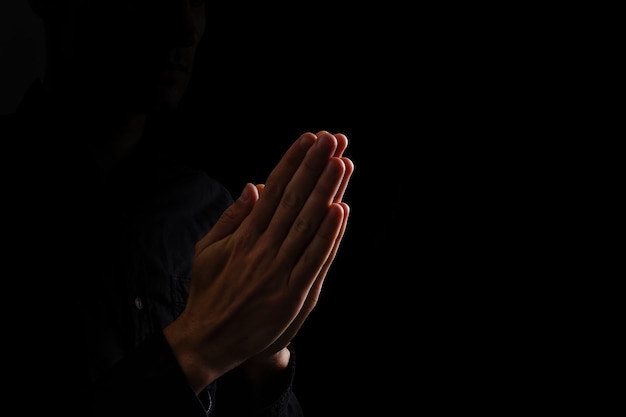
<point>142,287</point>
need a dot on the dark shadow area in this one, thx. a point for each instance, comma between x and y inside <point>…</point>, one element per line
<point>250,98</point>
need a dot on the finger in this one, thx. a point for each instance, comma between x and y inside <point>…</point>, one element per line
<point>314,212</point>
<point>342,141</point>
<point>232,217</point>
<point>304,265</point>
<point>303,269</point>
<point>342,144</point>
<point>278,179</point>
<point>333,254</point>
<point>346,179</point>
<point>302,185</point>
<point>334,225</point>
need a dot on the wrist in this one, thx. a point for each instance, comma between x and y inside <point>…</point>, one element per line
<point>185,348</point>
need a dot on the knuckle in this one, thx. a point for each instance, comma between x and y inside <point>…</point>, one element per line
<point>291,200</point>
<point>229,215</point>
<point>302,226</point>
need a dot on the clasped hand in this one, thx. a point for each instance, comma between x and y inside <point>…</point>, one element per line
<point>259,271</point>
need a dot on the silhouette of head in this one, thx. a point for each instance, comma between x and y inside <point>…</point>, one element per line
<point>133,55</point>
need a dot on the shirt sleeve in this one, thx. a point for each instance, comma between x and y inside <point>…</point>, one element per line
<point>148,382</point>
<point>235,395</point>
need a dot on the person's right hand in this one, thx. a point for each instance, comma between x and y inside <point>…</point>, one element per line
<point>257,274</point>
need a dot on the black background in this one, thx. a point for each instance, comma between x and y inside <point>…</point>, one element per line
<point>446,293</point>
<point>386,334</point>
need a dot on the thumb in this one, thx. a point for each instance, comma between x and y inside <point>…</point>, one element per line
<point>232,217</point>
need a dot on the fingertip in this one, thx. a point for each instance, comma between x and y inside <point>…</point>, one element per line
<point>349,163</point>
<point>343,207</point>
<point>248,193</point>
<point>340,209</point>
<point>307,140</point>
<point>342,139</point>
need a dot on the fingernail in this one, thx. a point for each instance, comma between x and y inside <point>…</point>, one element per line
<point>306,141</point>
